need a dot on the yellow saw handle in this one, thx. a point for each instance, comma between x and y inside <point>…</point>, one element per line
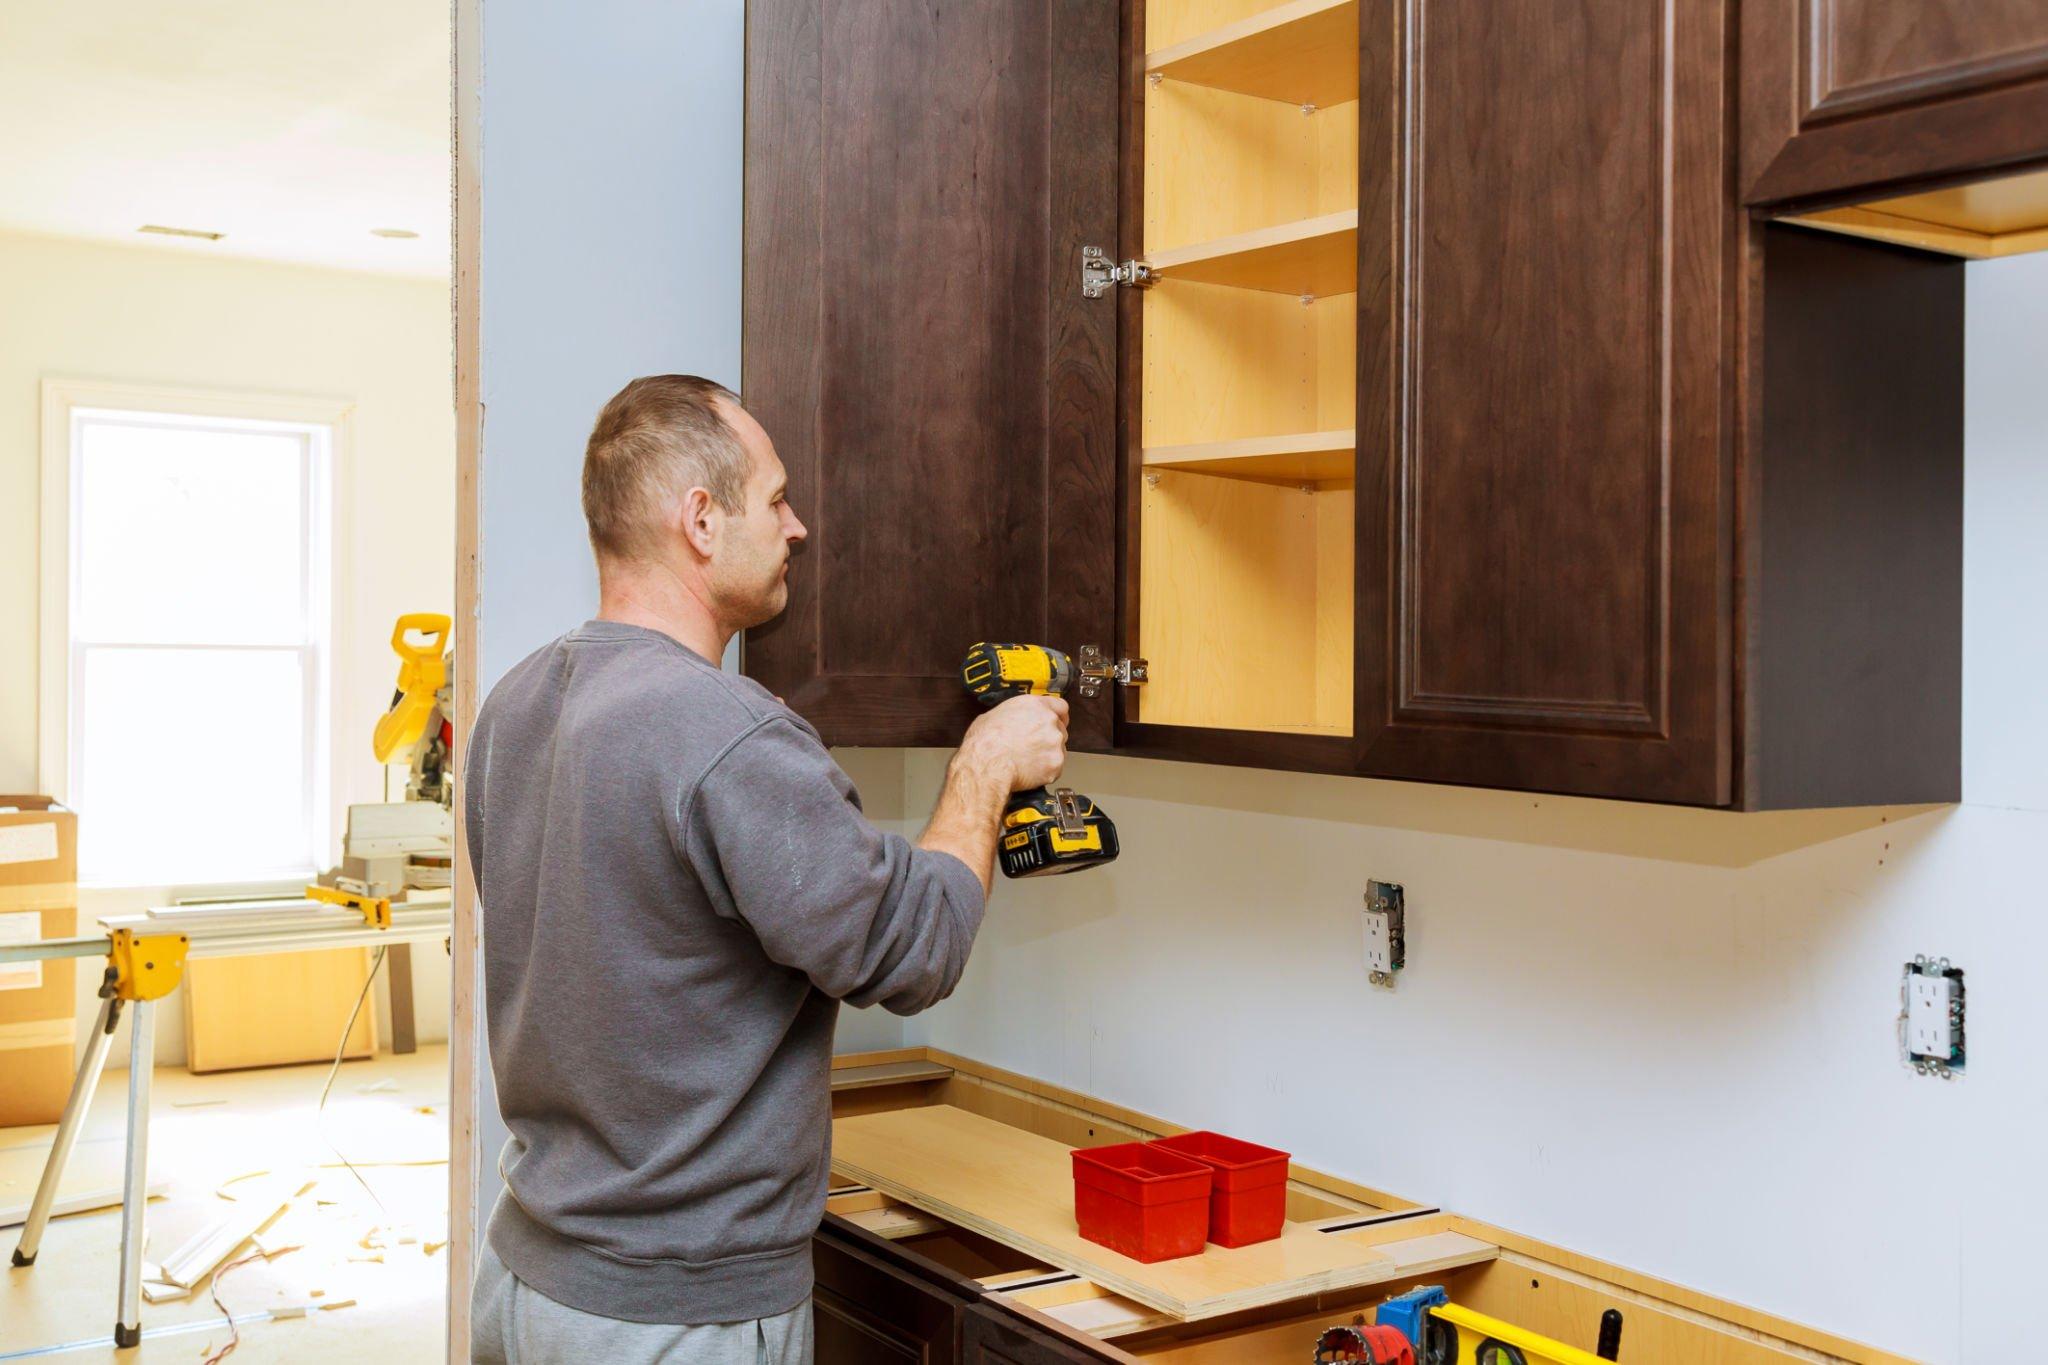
<point>422,671</point>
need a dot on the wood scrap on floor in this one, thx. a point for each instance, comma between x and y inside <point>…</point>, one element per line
<point>92,1178</point>
<point>212,1244</point>
<point>81,1201</point>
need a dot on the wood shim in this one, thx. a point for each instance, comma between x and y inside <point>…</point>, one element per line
<point>1018,1189</point>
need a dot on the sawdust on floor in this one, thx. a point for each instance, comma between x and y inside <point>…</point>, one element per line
<point>216,1141</point>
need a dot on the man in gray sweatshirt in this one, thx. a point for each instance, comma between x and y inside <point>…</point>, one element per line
<point>678,888</point>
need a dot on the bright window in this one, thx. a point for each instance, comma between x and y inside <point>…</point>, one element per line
<point>197,623</point>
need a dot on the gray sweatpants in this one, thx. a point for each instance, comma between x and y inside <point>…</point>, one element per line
<point>512,1323</point>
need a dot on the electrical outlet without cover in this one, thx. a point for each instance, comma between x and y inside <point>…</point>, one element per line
<point>1386,937</point>
<point>1931,1017</point>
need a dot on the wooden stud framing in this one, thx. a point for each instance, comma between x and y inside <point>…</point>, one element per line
<point>464,1017</point>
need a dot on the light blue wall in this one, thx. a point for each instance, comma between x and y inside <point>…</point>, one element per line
<point>1751,960</point>
<point>611,174</point>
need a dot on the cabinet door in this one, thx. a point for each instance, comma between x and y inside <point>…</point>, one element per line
<point>873,1306</point>
<point>1839,95</point>
<point>990,1336</point>
<point>921,180</point>
<point>1543,452</point>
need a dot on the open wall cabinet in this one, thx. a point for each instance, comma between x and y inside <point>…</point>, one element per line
<point>1456,422</point>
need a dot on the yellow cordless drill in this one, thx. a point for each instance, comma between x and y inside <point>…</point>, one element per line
<point>1049,830</point>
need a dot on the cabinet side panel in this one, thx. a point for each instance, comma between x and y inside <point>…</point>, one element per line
<point>1858,664</point>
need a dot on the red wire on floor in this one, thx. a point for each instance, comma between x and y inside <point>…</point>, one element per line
<point>234,1332</point>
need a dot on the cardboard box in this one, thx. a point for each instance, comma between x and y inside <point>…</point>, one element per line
<point>38,900</point>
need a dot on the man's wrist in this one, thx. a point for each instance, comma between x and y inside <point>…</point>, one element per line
<point>977,775</point>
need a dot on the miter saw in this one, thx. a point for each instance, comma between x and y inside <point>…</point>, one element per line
<point>392,846</point>
<point>422,712</point>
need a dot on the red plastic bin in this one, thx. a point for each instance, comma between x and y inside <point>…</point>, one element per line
<point>1248,1200</point>
<point>1134,1198</point>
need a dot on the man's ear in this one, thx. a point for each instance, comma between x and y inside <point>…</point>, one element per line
<point>701,519</point>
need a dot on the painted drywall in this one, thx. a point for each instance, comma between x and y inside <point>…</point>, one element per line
<point>1664,1037</point>
<point>611,177</point>
<point>1661,1037</point>
<point>86,310</point>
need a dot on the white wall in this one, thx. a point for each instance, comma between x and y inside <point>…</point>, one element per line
<point>135,315</point>
<point>1661,1037</point>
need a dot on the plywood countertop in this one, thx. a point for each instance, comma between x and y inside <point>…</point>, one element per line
<point>1017,1188</point>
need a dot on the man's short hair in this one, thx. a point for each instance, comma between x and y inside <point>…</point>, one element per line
<point>659,437</point>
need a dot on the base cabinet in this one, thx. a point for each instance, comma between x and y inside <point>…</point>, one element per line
<point>990,1336</point>
<point>876,1305</point>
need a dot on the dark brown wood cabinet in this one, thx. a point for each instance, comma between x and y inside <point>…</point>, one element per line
<point>1462,435</point>
<point>920,182</point>
<point>1544,447</point>
<point>1845,98</point>
<point>876,1303</point>
<point>992,1336</point>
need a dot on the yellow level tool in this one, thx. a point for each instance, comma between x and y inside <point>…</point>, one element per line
<point>1489,1341</point>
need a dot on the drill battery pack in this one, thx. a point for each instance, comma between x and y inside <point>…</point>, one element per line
<point>1046,833</point>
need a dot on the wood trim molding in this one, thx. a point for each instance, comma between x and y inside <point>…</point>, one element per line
<point>1822,98</point>
<point>466,975</point>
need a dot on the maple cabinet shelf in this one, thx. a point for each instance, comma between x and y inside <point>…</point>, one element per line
<point>1305,52</point>
<point>1312,256</point>
<point>1317,457</point>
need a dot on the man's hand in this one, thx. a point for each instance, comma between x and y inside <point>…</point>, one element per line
<point>1013,747</point>
<point>1021,743</point>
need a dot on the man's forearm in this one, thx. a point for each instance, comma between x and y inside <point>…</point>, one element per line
<point>968,817</point>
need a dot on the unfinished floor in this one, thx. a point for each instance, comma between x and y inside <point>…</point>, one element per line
<point>388,1116</point>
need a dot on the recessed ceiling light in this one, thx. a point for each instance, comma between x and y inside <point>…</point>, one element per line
<point>162,231</point>
<point>399,234</point>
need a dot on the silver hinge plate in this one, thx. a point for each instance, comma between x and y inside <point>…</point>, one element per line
<point>1096,668</point>
<point>1098,273</point>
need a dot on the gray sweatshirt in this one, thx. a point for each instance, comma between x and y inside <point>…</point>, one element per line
<point>678,889</point>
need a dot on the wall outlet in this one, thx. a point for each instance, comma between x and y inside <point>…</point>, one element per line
<point>1386,937</point>
<point>1931,1017</point>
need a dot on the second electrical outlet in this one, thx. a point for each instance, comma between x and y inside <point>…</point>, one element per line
<point>1386,936</point>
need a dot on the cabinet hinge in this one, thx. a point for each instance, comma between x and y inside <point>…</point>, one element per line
<point>1098,273</point>
<point>1096,668</point>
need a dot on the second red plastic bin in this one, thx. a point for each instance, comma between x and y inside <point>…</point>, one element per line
<point>1149,1204</point>
<point>1248,1199</point>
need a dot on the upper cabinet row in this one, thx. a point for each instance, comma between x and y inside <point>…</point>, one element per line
<point>1408,383</point>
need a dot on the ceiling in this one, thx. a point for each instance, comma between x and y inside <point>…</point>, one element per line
<point>294,127</point>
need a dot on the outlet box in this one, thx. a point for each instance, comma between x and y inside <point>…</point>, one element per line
<point>1386,937</point>
<point>1931,1017</point>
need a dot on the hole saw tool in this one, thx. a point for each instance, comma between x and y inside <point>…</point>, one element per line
<point>1048,830</point>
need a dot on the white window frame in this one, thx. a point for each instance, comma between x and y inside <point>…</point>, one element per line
<point>328,423</point>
